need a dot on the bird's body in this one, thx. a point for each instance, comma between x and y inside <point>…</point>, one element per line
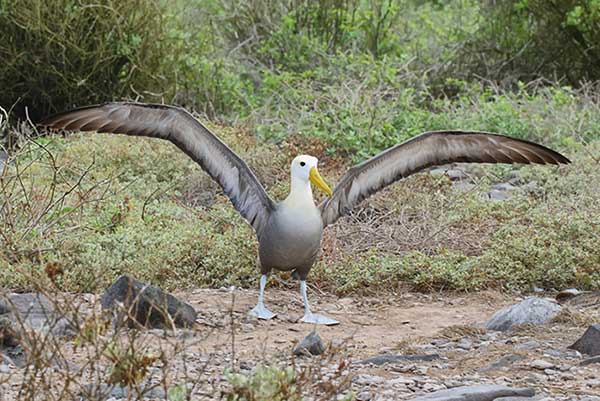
<point>289,232</point>
<point>292,241</point>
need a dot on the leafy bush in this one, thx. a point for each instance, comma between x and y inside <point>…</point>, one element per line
<point>265,384</point>
<point>57,54</point>
<point>529,39</point>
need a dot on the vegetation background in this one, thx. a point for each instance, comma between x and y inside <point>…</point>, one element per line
<point>342,79</point>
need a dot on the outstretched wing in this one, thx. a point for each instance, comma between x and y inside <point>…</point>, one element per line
<point>426,150</point>
<point>188,134</point>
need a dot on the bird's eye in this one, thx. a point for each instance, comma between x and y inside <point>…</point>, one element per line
<point>302,164</point>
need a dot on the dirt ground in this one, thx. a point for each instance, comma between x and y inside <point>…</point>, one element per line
<point>369,325</point>
<point>449,326</point>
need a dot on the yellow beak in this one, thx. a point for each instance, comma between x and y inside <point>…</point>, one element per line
<point>318,181</point>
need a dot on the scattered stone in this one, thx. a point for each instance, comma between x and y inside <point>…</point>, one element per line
<point>515,178</point>
<point>4,368</point>
<point>387,358</point>
<point>432,387</point>
<point>589,361</point>
<point>536,289</point>
<point>589,343</point>
<point>140,304</point>
<point>529,345</point>
<point>364,396</point>
<point>503,362</point>
<point>540,364</point>
<point>504,187</point>
<point>439,170</point>
<point>106,392</point>
<point>35,310</point>
<point>497,195</point>
<point>533,377</point>
<point>516,399</point>
<point>401,380</point>
<point>310,345</point>
<point>456,175</point>
<point>368,380</point>
<point>464,344</point>
<point>484,392</point>
<point>567,294</point>
<point>531,310</point>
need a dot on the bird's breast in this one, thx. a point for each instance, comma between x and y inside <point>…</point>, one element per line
<point>292,238</point>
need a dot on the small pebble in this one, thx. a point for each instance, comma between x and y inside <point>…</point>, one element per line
<point>541,364</point>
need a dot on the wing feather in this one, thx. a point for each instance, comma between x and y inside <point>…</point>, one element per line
<point>188,134</point>
<point>426,150</point>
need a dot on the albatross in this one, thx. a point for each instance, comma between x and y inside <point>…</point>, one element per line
<point>289,232</point>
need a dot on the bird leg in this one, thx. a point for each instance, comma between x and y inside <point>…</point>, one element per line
<point>310,317</point>
<point>260,311</point>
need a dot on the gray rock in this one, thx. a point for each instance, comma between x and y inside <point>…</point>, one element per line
<point>464,344</point>
<point>589,361</point>
<point>364,396</point>
<point>463,186</point>
<point>310,345</point>
<point>456,174</point>
<point>4,368</point>
<point>540,364</point>
<point>22,312</point>
<point>139,304</point>
<point>37,312</point>
<point>497,195</point>
<point>368,380</point>
<point>531,310</point>
<point>515,179</point>
<point>589,343</point>
<point>516,399</point>
<point>387,358</point>
<point>503,362</point>
<point>106,392</point>
<point>504,187</point>
<point>482,392</point>
<point>529,345</point>
<point>439,170</point>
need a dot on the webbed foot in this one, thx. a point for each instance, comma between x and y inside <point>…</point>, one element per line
<point>259,311</point>
<point>318,319</point>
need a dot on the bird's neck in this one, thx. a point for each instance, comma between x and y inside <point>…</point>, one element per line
<point>300,194</point>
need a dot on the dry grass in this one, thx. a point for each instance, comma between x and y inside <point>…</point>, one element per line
<point>456,332</point>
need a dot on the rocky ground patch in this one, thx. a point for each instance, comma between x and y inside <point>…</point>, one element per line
<point>394,347</point>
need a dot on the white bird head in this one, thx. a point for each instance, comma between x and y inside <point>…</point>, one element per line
<point>304,168</point>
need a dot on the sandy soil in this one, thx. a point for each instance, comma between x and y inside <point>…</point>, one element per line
<point>369,324</point>
<point>448,325</point>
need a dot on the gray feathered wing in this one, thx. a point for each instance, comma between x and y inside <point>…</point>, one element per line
<point>188,134</point>
<point>426,150</point>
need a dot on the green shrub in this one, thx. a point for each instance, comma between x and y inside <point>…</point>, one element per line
<point>57,54</point>
<point>265,384</point>
<point>529,39</point>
